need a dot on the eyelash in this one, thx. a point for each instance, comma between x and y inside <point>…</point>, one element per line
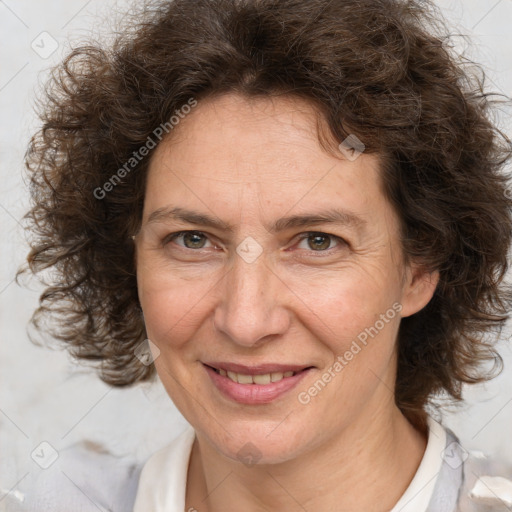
<point>304,236</point>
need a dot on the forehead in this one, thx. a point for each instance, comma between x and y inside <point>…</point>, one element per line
<point>254,136</point>
<point>257,152</point>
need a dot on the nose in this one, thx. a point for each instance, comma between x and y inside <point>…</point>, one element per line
<point>251,309</point>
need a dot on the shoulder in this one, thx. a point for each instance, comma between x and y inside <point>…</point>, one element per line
<point>84,477</point>
<point>486,484</point>
<point>470,481</point>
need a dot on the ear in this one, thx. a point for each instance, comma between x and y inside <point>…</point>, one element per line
<point>419,287</point>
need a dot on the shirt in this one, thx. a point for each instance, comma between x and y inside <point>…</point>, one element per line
<point>86,478</point>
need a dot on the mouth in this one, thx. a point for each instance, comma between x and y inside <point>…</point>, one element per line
<point>257,384</point>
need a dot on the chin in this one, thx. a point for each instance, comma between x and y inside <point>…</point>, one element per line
<point>258,442</point>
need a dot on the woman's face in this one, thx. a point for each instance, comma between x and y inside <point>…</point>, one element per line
<point>290,262</point>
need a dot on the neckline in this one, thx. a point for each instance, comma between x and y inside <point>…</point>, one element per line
<point>163,481</point>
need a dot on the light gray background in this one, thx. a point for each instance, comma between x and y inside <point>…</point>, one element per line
<point>44,396</point>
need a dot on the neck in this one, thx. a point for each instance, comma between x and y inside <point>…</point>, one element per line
<point>370,462</point>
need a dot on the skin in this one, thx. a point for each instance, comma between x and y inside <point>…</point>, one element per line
<point>249,162</point>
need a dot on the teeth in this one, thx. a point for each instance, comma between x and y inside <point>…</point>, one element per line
<point>276,376</point>
<point>262,379</point>
<point>244,379</point>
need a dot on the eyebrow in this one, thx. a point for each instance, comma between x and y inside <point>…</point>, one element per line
<point>330,216</point>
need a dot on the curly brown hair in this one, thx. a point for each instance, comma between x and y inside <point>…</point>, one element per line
<point>379,69</point>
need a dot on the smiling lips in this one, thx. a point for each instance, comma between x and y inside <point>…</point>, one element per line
<point>254,384</point>
<point>260,374</point>
<point>264,378</point>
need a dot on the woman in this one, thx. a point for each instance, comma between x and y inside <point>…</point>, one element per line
<point>297,214</point>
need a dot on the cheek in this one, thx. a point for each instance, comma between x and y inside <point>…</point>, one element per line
<point>370,347</point>
<point>357,319</point>
<point>346,302</point>
<point>173,307</point>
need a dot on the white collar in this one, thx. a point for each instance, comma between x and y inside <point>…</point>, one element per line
<point>163,481</point>
<point>419,493</point>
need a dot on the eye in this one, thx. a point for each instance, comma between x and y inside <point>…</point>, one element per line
<point>320,242</point>
<point>316,241</point>
<point>191,239</point>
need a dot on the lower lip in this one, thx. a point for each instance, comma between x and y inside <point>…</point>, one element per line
<point>253,394</point>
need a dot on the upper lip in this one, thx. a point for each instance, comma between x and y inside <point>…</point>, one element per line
<point>256,369</point>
